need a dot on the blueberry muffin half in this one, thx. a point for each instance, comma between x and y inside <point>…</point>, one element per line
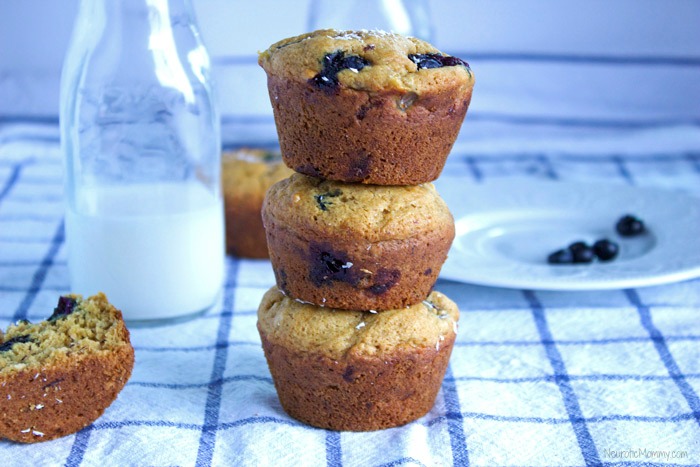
<point>59,375</point>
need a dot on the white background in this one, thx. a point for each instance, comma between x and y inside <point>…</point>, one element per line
<point>594,63</point>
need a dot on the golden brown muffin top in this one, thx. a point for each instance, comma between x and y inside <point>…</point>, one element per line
<point>78,327</point>
<point>374,212</point>
<point>365,60</point>
<point>247,172</point>
<point>308,328</point>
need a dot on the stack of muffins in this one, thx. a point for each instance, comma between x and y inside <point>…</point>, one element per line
<point>354,337</point>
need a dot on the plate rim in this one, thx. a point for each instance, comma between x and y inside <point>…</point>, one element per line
<point>453,271</point>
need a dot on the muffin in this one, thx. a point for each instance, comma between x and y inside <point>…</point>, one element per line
<point>354,370</point>
<point>246,176</point>
<point>59,375</point>
<point>366,106</point>
<point>353,246</point>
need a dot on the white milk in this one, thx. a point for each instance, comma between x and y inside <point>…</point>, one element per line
<point>156,250</point>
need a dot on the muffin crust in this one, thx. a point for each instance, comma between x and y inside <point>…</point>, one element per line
<point>356,247</point>
<point>352,370</point>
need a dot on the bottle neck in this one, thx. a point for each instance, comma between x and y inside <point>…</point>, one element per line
<point>163,9</point>
<point>130,37</point>
<point>134,20</point>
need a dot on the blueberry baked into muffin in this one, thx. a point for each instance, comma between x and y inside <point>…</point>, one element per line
<point>246,176</point>
<point>366,106</point>
<point>354,246</point>
<point>59,375</point>
<point>355,370</point>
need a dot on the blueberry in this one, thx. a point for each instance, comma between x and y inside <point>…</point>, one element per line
<point>434,60</point>
<point>353,62</point>
<point>425,61</point>
<point>323,201</point>
<point>384,280</point>
<point>64,308</point>
<point>578,246</point>
<point>8,344</point>
<point>582,252</point>
<point>333,265</point>
<point>271,156</point>
<point>333,63</point>
<point>578,252</point>
<point>563,256</point>
<point>605,250</point>
<point>630,226</point>
<point>327,265</point>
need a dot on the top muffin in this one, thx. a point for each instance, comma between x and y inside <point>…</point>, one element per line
<point>363,60</point>
<point>366,106</point>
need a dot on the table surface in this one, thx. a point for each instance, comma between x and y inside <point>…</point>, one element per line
<point>536,377</point>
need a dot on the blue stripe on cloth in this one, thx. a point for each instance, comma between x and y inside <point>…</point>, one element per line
<point>45,198</point>
<point>25,263</point>
<point>27,217</point>
<point>79,447</point>
<point>546,164</point>
<point>623,170</point>
<point>247,118</point>
<point>611,340</point>
<point>115,425</point>
<point>50,288</point>
<point>260,420</point>
<point>525,379</point>
<point>642,464</point>
<point>230,379</point>
<point>561,421</point>
<point>553,378</point>
<point>515,119</point>
<point>40,274</point>
<point>694,159</point>
<point>33,137</point>
<point>664,352</point>
<point>207,439</point>
<point>455,427</point>
<point>590,159</point>
<point>403,461</point>
<point>519,119</point>
<point>42,181</point>
<point>11,181</point>
<point>334,452</point>
<point>36,119</point>
<point>234,60</point>
<point>573,408</point>
<point>476,172</point>
<point>25,240</point>
<point>199,348</point>
<point>579,121</point>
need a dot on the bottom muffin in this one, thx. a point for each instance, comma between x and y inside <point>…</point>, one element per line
<point>356,370</point>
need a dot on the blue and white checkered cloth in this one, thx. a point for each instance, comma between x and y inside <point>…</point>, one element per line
<point>536,378</point>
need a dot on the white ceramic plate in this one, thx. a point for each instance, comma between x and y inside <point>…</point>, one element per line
<point>506,229</point>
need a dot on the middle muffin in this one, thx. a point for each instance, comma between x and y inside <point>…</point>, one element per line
<point>356,247</point>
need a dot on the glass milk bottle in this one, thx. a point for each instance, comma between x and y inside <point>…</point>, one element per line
<point>141,141</point>
<point>406,17</point>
